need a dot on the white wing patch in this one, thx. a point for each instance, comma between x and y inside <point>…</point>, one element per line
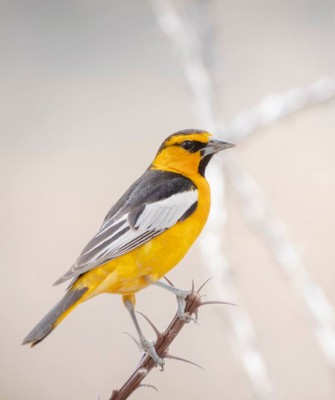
<point>119,236</point>
<point>165,213</point>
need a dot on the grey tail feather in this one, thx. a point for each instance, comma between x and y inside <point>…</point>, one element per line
<point>47,324</point>
<point>70,274</point>
<point>66,277</point>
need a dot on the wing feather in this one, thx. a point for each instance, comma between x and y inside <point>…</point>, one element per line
<point>135,224</point>
<point>165,213</point>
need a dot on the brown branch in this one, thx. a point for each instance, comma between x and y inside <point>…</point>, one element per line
<point>193,302</point>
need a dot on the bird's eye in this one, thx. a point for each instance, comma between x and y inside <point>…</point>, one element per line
<point>187,145</point>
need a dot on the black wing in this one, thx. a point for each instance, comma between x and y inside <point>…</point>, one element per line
<point>154,203</point>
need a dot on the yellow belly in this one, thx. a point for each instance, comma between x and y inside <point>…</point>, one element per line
<point>135,270</point>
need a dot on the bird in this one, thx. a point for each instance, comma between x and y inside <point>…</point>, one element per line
<point>145,234</point>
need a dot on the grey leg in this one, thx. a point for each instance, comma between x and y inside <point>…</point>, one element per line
<point>147,345</point>
<point>181,298</point>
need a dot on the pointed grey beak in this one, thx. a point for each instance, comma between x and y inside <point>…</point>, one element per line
<point>215,145</point>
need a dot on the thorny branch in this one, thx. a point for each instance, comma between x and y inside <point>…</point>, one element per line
<point>193,302</point>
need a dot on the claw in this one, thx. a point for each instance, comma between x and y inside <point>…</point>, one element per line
<point>186,317</point>
<point>149,348</point>
<point>183,359</point>
<point>158,334</point>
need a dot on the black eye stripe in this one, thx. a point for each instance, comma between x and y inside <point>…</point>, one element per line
<point>196,145</point>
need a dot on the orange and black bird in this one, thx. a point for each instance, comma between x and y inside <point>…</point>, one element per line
<point>145,234</point>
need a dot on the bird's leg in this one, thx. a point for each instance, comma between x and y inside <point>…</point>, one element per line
<point>147,345</point>
<point>181,299</point>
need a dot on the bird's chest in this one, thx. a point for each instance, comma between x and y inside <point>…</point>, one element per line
<point>162,253</point>
<point>154,259</point>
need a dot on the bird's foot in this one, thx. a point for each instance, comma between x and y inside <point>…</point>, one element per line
<point>181,300</point>
<point>148,347</point>
<point>181,296</point>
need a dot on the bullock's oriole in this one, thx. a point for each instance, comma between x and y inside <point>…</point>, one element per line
<point>146,233</point>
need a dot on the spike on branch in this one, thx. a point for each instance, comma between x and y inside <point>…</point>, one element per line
<point>163,341</point>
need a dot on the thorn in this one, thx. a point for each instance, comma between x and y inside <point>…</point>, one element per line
<point>168,281</point>
<point>146,385</point>
<point>158,334</point>
<point>167,355</point>
<point>203,285</point>
<point>192,290</point>
<point>217,302</point>
<point>134,340</point>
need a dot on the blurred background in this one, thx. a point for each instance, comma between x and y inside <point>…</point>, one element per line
<point>88,92</point>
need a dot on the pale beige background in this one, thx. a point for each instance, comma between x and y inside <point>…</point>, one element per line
<point>88,92</point>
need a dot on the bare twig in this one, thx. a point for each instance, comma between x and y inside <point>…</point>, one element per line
<point>193,302</point>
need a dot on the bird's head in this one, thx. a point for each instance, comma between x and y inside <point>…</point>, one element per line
<point>188,152</point>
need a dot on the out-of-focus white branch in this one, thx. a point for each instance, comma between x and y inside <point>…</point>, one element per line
<point>186,42</point>
<point>188,46</point>
<point>274,108</point>
<point>213,251</point>
<point>263,219</point>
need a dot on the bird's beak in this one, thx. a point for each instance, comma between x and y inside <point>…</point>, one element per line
<point>215,145</point>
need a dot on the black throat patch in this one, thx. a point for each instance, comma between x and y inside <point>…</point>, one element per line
<point>203,164</point>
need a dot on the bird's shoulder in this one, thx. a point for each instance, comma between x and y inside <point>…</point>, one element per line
<point>153,203</point>
<point>151,187</point>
